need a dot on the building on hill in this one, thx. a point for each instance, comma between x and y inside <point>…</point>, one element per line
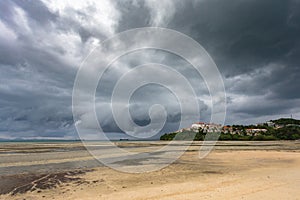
<point>270,124</point>
<point>227,129</point>
<point>198,125</point>
<point>255,131</point>
<point>206,127</point>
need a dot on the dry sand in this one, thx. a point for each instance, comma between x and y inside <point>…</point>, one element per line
<point>234,170</point>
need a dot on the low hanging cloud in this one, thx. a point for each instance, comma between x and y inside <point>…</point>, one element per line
<point>255,45</point>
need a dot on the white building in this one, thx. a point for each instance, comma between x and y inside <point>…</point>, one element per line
<point>270,124</point>
<point>206,127</point>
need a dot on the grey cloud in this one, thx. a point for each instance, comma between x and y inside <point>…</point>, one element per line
<point>135,14</point>
<point>238,39</point>
<point>37,11</point>
<point>255,45</point>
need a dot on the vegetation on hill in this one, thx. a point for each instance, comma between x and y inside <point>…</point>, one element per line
<point>283,129</point>
<point>286,121</point>
<point>185,135</point>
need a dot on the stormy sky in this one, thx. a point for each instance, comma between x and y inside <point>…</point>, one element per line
<point>254,43</point>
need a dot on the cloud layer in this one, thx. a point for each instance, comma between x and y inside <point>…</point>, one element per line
<point>255,44</point>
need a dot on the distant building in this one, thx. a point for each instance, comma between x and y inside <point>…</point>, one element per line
<point>206,127</point>
<point>270,124</point>
<point>255,131</point>
<point>197,126</point>
<point>227,129</point>
<point>279,126</point>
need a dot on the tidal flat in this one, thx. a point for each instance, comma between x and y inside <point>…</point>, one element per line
<point>233,170</point>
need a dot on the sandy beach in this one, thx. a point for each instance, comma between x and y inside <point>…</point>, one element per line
<point>233,170</point>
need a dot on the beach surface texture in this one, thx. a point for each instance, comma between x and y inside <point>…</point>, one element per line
<point>233,170</point>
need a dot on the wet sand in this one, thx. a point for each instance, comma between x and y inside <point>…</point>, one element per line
<point>233,170</point>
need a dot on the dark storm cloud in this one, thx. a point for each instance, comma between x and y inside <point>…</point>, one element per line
<point>244,32</point>
<point>255,44</point>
